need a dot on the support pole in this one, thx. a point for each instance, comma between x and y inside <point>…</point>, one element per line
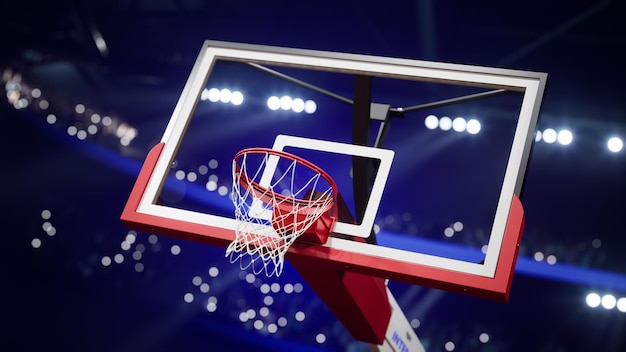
<point>362,169</point>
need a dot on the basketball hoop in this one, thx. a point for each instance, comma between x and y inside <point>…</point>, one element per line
<point>278,197</point>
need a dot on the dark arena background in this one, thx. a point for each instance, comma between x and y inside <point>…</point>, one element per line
<point>89,87</point>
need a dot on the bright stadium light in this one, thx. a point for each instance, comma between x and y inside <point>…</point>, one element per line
<point>297,105</point>
<point>273,103</point>
<point>549,135</point>
<point>615,144</point>
<point>285,102</point>
<point>445,123</point>
<point>473,126</point>
<point>459,124</point>
<point>214,95</point>
<point>621,304</point>
<point>310,106</point>
<point>608,301</point>
<point>431,122</point>
<point>225,95</point>
<point>593,300</point>
<point>565,137</point>
<point>236,98</point>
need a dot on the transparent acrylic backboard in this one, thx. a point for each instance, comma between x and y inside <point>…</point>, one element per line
<point>442,208</point>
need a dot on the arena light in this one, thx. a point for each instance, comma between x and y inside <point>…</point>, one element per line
<point>473,126</point>
<point>615,144</point>
<point>273,103</point>
<point>431,122</point>
<point>621,304</point>
<point>297,105</point>
<point>445,123</point>
<point>608,301</point>
<point>459,124</point>
<point>564,137</point>
<point>288,103</point>
<point>549,135</point>
<point>213,95</point>
<point>223,95</point>
<point>310,106</point>
<point>593,300</point>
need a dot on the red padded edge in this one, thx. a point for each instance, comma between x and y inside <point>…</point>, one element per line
<point>175,228</point>
<point>496,288</point>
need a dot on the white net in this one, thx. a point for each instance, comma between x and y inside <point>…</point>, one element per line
<point>277,198</point>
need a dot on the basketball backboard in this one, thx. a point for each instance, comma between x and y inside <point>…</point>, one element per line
<point>415,191</point>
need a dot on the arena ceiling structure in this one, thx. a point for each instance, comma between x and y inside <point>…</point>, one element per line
<point>90,86</point>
